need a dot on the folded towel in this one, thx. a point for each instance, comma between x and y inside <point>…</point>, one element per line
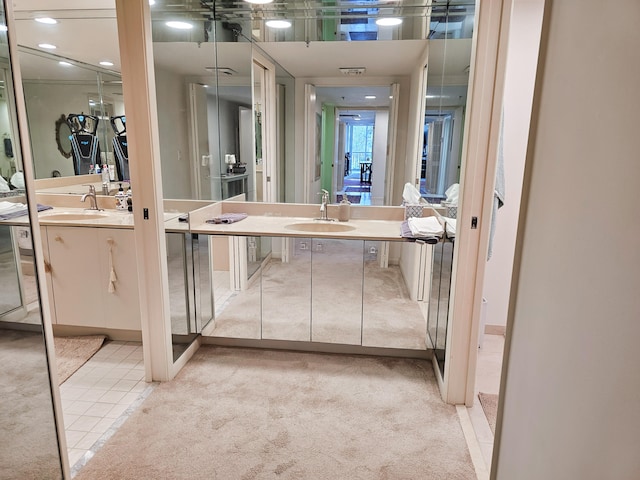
<point>19,212</point>
<point>425,226</point>
<point>450,226</point>
<point>9,207</point>
<point>228,218</point>
<point>405,232</point>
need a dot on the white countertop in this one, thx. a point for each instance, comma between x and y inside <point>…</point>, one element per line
<point>279,226</point>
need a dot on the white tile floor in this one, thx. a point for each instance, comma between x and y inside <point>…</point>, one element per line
<point>99,396</point>
<point>488,373</point>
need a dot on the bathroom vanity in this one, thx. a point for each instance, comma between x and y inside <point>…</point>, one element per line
<point>277,275</point>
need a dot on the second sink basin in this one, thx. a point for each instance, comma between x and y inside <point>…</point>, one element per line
<point>73,216</point>
<point>320,227</point>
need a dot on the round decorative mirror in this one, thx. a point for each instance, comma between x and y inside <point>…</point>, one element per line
<point>63,132</point>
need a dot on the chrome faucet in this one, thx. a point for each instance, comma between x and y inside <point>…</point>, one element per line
<point>92,196</point>
<point>323,206</point>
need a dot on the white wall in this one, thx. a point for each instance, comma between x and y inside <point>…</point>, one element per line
<point>379,157</point>
<point>571,394</point>
<point>524,41</point>
<point>171,92</point>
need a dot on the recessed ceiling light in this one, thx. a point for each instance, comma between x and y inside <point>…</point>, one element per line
<point>259,1</point>
<point>106,63</point>
<point>65,64</point>
<point>46,20</point>
<point>390,97</point>
<point>180,25</point>
<point>370,97</point>
<point>278,23</point>
<point>48,46</point>
<point>388,21</point>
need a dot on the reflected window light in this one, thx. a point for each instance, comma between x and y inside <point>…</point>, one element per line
<point>47,46</point>
<point>258,1</point>
<point>3,28</point>
<point>46,20</point>
<point>388,21</point>
<point>370,97</point>
<point>179,25</point>
<point>152,2</point>
<point>65,64</point>
<point>106,63</point>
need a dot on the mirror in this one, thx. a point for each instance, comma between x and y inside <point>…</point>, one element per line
<point>57,91</point>
<point>63,136</point>
<point>341,292</point>
<point>30,447</point>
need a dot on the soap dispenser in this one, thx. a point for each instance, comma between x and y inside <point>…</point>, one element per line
<point>121,199</point>
<point>344,209</point>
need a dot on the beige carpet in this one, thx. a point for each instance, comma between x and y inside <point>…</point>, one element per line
<point>28,444</point>
<point>489,402</point>
<point>259,414</point>
<point>73,352</point>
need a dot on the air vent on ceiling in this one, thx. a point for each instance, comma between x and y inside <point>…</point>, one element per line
<point>221,70</point>
<point>352,71</point>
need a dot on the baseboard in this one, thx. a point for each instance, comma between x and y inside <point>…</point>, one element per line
<point>495,330</point>
<point>112,334</point>
<point>317,347</point>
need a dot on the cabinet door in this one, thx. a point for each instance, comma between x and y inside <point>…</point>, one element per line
<point>75,269</point>
<point>121,302</point>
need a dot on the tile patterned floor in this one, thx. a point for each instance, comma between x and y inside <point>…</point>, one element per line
<point>99,396</point>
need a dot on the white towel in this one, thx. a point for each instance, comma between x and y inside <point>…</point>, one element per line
<point>450,226</point>
<point>424,226</point>
<point>9,207</point>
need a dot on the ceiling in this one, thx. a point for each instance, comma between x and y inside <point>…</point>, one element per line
<point>87,33</point>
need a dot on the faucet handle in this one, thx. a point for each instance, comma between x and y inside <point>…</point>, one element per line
<point>92,189</point>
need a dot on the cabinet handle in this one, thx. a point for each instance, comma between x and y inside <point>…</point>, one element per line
<point>47,267</point>
<point>59,239</point>
<point>113,278</point>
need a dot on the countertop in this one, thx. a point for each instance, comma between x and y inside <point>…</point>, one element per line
<point>281,226</point>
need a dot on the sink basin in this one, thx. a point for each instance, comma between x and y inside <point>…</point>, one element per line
<point>320,227</point>
<point>73,216</point>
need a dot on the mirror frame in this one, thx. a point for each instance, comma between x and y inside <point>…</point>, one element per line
<point>60,124</point>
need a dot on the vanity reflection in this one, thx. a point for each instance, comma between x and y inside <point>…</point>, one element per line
<point>323,290</point>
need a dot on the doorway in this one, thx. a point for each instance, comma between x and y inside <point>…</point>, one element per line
<point>355,135</point>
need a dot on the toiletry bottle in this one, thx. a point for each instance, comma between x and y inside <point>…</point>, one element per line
<point>97,169</point>
<point>121,199</point>
<point>344,209</point>
<point>129,200</point>
<point>92,169</point>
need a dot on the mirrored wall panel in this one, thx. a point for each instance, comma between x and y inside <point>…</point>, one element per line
<point>29,446</point>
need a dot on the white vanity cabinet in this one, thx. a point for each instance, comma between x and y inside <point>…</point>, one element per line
<point>79,264</point>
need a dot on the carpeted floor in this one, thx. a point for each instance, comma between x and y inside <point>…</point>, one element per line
<point>489,402</point>
<point>73,352</point>
<point>259,414</point>
<point>29,447</point>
